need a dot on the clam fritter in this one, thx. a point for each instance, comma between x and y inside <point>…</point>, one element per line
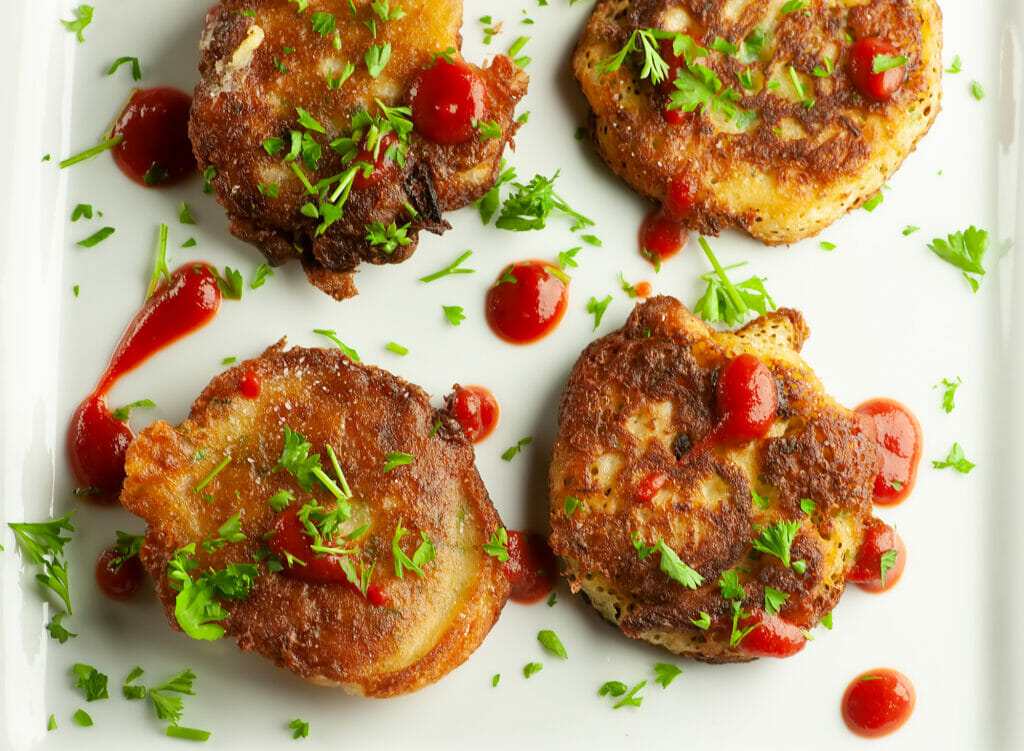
<point>302,123</point>
<point>323,514</point>
<point>680,536</point>
<point>753,107</point>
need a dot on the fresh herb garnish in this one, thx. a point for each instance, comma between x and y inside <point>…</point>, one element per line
<point>511,451</point>
<point>43,544</point>
<point>83,17</point>
<point>725,301</point>
<point>96,237</point>
<point>777,539</point>
<point>497,547</point>
<point>948,393</point>
<point>631,699</point>
<point>597,308</point>
<point>965,250</point>
<point>530,206</point>
<point>531,668</point>
<point>955,459</point>
<point>300,728</point>
<point>550,641</point>
<point>92,682</point>
<point>671,563</point>
<point>887,561</point>
<point>454,314</point>
<point>452,268</point>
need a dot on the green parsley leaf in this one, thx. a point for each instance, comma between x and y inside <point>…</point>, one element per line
<point>92,682</point>
<point>81,210</point>
<point>550,641</point>
<point>977,90</point>
<point>43,544</point>
<point>155,175</point>
<point>671,563</point>
<point>774,600</point>
<point>530,206</point>
<point>389,237</point>
<point>874,202</point>
<point>231,283</point>
<point>133,692</point>
<point>552,600</point>
<point>397,348</point>
<point>511,451</point>
<point>955,459</point>
<point>301,728</point>
<point>888,560</point>
<point>949,393</point>
<point>83,17</point>
<point>123,413</point>
<point>454,314</point>
<point>725,301</point>
<point>571,504</point>
<point>882,63</point>
<point>82,718</point>
<point>612,688</point>
<point>909,230</point>
<point>956,66</point>
<point>737,634</point>
<point>452,268</point>
<point>323,23</point>
<point>136,68</point>
<point>333,336</point>
<point>597,308</point>
<point>51,724</point>
<point>532,667</point>
<point>807,506</point>
<point>828,246</point>
<point>188,734</point>
<point>96,237</point>
<point>497,547</point>
<point>487,130</point>
<point>160,267</point>
<point>777,539</point>
<point>185,214</point>
<point>377,58</point>
<point>730,585</point>
<point>631,699</point>
<point>402,561</point>
<point>397,459</point>
<point>495,679</point>
<point>826,621</point>
<point>665,673</point>
<point>965,250</point>
<point>764,502</point>
<point>56,629</point>
<point>259,277</point>
<point>791,6</point>
<point>703,623</point>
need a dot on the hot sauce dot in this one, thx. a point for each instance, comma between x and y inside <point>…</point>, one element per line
<point>746,396</point>
<point>155,149</point>
<point>878,702</point>
<point>476,409</point>
<point>118,582</point>
<point>772,636</point>
<point>879,541</point>
<point>250,385</point>
<point>643,289</point>
<point>527,302</point>
<point>531,566</point>
<point>661,237</point>
<point>898,436</point>
<point>446,99</point>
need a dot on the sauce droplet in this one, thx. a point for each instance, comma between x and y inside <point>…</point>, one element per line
<point>772,636</point>
<point>879,541</point>
<point>531,567</point>
<point>878,702</point>
<point>526,303</point>
<point>250,385</point>
<point>96,441</point>
<point>898,434</point>
<point>445,100</point>
<point>118,582</point>
<point>880,85</point>
<point>746,397</point>
<point>476,409</point>
<point>156,149</point>
<point>661,237</point>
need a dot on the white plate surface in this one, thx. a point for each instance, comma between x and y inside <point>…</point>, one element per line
<point>888,318</point>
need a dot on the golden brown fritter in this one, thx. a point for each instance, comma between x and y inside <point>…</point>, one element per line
<point>807,157</point>
<point>408,631</point>
<point>258,69</point>
<point>641,401</point>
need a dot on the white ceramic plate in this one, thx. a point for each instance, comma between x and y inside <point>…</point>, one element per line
<point>888,319</point>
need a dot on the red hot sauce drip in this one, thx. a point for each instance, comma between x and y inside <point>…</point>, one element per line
<point>531,567</point>
<point>527,302</point>
<point>878,702</point>
<point>898,434</point>
<point>96,441</point>
<point>155,149</point>
<point>476,409</point>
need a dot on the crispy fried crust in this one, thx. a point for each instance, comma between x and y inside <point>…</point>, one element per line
<point>797,169</point>
<point>324,632</point>
<point>243,98</point>
<point>630,397</point>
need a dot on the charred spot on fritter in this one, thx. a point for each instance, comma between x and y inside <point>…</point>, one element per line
<point>679,532</point>
<point>748,114</point>
<point>334,522</point>
<point>303,125</point>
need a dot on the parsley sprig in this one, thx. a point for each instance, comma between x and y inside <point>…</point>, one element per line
<point>43,543</point>
<point>671,563</point>
<point>727,301</point>
<point>966,251</point>
<point>530,206</point>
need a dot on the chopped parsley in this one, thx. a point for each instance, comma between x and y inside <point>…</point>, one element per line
<point>301,728</point>
<point>882,63</point>
<point>965,250</point>
<point>725,301</point>
<point>134,61</point>
<point>123,413</point>
<point>377,57</point>
<point>531,668</point>
<point>631,699</point>
<point>777,539</point>
<point>774,600</point>
<point>83,17</point>
<point>259,278</point>
<point>96,237</point>
<point>956,460</point>
<point>92,682</point>
<point>612,688</point>
<point>948,393</point>
<point>887,561</point>
<point>874,202</point>
<point>43,544</point>
<point>397,348</point>
<point>56,629</point>
<point>703,623</point>
<point>333,336</point>
<point>397,459</point>
<point>956,65</point>
<point>671,563</point>
<point>530,206</point>
<point>550,641</point>
<point>389,237</point>
<point>81,210</point>
<point>82,718</point>
<point>423,554</point>
<point>597,308</point>
<point>665,673</point>
<point>730,585</point>
<point>454,314</point>
<point>92,151</point>
<point>196,609</point>
<point>497,546</point>
<point>977,90</point>
<point>133,692</point>
<point>571,504</point>
<point>511,451</point>
<point>452,268</point>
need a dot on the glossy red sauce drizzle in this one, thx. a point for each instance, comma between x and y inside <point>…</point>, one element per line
<point>747,399</point>
<point>644,289</point>
<point>529,308</point>
<point>122,583</point>
<point>773,636</point>
<point>289,537</point>
<point>878,86</point>
<point>446,99</point>
<point>878,702</point>
<point>531,567</point>
<point>476,409</point>
<point>250,385</point>
<point>155,149</point>
<point>661,237</point>
<point>866,572</point>
<point>96,441</point>
<point>898,434</point>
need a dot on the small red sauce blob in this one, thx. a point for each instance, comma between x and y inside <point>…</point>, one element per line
<point>747,398</point>
<point>867,568</point>
<point>524,310</point>
<point>680,196</point>
<point>382,165</point>
<point>250,385</point>
<point>661,237</point>
<point>898,434</point>
<point>289,537</point>
<point>122,583</point>
<point>445,100</point>
<point>878,702</point>
<point>154,124</point>
<point>643,289</point>
<point>878,86</point>
<point>648,487</point>
<point>531,567</point>
<point>772,636</point>
<point>97,442</point>
<point>476,409</point>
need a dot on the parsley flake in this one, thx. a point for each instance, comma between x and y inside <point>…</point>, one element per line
<point>397,459</point>
<point>631,699</point>
<point>965,250</point>
<point>333,336</point>
<point>955,459</point>
<point>887,561</point>
<point>665,673</point>
<point>454,314</point>
<point>83,17</point>
<point>301,728</point>
<point>948,393</point>
<point>511,451</point>
<point>550,641</point>
<point>92,682</point>
<point>531,668</point>
<point>671,563</point>
<point>96,237</point>
<point>598,308</point>
<point>777,539</point>
<point>497,547</point>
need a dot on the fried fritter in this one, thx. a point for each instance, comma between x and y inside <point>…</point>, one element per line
<point>403,633</point>
<point>783,143</point>
<point>264,60</point>
<point>640,404</point>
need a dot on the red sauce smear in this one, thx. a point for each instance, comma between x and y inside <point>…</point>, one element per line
<point>747,399</point>
<point>772,636</point>
<point>531,567</point>
<point>644,289</point>
<point>898,434</point>
<point>476,409</point>
<point>661,237</point>
<point>250,385</point>
<point>120,582</point>
<point>96,441</point>
<point>878,702</point>
<point>446,99</point>
<point>648,487</point>
<point>866,572</point>
<point>155,150</point>
<point>289,537</point>
<point>878,86</point>
<point>529,308</point>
